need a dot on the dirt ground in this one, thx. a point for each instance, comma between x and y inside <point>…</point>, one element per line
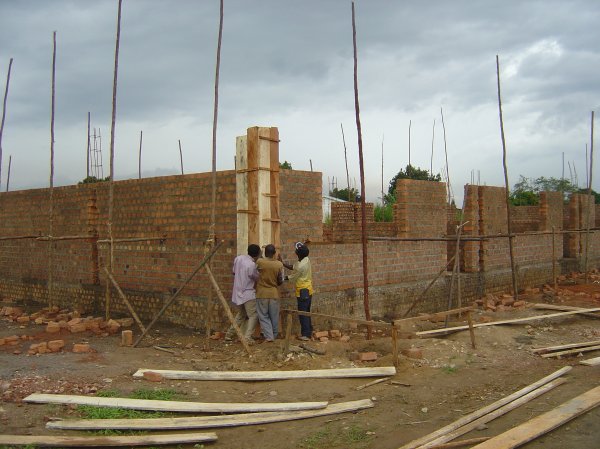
<point>451,379</point>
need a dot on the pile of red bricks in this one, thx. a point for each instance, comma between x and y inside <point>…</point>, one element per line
<point>324,336</point>
<point>494,303</point>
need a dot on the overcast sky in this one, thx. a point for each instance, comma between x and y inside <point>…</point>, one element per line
<point>289,64</point>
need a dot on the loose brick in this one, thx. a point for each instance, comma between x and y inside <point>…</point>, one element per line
<point>519,303</point>
<point>125,322</point>
<point>81,347</point>
<point>2,341</point>
<point>323,339</point>
<point>335,333</point>
<point>79,327</point>
<point>320,334</point>
<point>152,376</point>
<point>345,338</point>
<point>367,356</point>
<point>127,338</point>
<point>72,322</point>
<point>56,345</point>
<point>413,353</point>
<point>23,319</point>
<point>52,327</point>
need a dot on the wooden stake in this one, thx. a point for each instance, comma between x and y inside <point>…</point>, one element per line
<point>471,331</point>
<point>288,332</point>
<point>432,140</point>
<point>176,294</point>
<point>554,280</point>
<point>362,184</point>
<point>508,219</point>
<point>446,152</point>
<point>395,357</point>
<point>4,112</point>
<point>51,191</point>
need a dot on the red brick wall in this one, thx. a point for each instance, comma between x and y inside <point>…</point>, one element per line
<point>420,208</point>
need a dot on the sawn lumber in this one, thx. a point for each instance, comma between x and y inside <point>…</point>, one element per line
<point>544,423</point>
<point>273,375</point>
<point>567,346</point>
<point>571,351</point>
<point>516,320</point>
<point>493,415</point>
<point>542,306</point>
<point>591,362</point>
<point>202,422</point>
<point>106,441</point>
<point>173,406</point>
<point>485,410</point>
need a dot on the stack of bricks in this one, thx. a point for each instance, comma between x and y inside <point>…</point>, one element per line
<point>420,208</point>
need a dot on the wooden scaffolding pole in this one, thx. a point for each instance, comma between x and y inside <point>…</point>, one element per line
<point>4,112</point>
<point>508,218</point>
<point>51,211</point>
<point>362,183</point>
<point>590,201</point>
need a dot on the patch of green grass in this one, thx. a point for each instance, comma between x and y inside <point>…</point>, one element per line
<point>355,434</point>
<point>161,394</point>
<point>316,440</point>
<point>347,437</point>
<point>449,369</point>
<point>92,412</point>
<point>108,393</point>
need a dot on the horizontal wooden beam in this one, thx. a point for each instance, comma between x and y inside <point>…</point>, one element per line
<point>334,373</point>
<point>513,321</point>
<point>106,441</point>
<point>434,315</point>
<point>203,422</point>
<point>173,406</point>
<point>339,318</point>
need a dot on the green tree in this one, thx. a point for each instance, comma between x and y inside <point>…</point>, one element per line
<point>526,192</point>
<point>92,179</point>
<point>342,194</point>
<point>285,165</point>
<point>410,172</point>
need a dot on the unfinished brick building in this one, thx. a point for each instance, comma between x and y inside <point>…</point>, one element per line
<point>257,202</point>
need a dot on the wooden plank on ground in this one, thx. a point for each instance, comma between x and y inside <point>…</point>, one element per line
<point>173,406</point>
<point>106,441</point>
<point>567,346</point>
<point>485,410</point>
<point>513,321</point>
<point>591,362</point>
<point>493,415</point>
<point>571,351</point>
<point>565,309</point>
<point>202,422</point>
<point>544,423</point>
<point>273,375</point>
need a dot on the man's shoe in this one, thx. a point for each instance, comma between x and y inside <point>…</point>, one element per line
<point>303,338</point>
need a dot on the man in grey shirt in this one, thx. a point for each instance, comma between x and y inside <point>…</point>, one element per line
<point>245,275</point>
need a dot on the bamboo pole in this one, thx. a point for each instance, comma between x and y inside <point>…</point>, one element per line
<point>383,324</point>
<point>382,195</point>
<point>110,261</point>
<point>432,140</point>
<point>589,200</point>
<point>409,126</point>
<point>51,205</point>
<point>140,158</point>
<point>4,111</point>
<point>288,332</point>
<point>508,219</point>
<point>346,160</point>
<point>179,290</point>
<point>362,183</point>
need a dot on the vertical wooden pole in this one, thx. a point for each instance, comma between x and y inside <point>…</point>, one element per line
<point>288,332</point>
<point>508,218</point>
<point>382,195</point>
<point>395,345</point>
<point>590,200</point>
<point>471,330</point>
<point>554,258</point>
<point>87,158</point>
<point>432,140</point>
<point>4,112</point>
<point>409,127</point>
<point>110,258</point>
<point>362,183</point>
<point>180,156</point>
<point>51,211</point>
<point>140,157</point>
<point>446,152</point>
<point>346,160</point>
<point>8,174</point>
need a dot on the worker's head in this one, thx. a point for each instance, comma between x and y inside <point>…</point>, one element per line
<point>253,251</point>
<point>301,250</point>
<point>270,250</point>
